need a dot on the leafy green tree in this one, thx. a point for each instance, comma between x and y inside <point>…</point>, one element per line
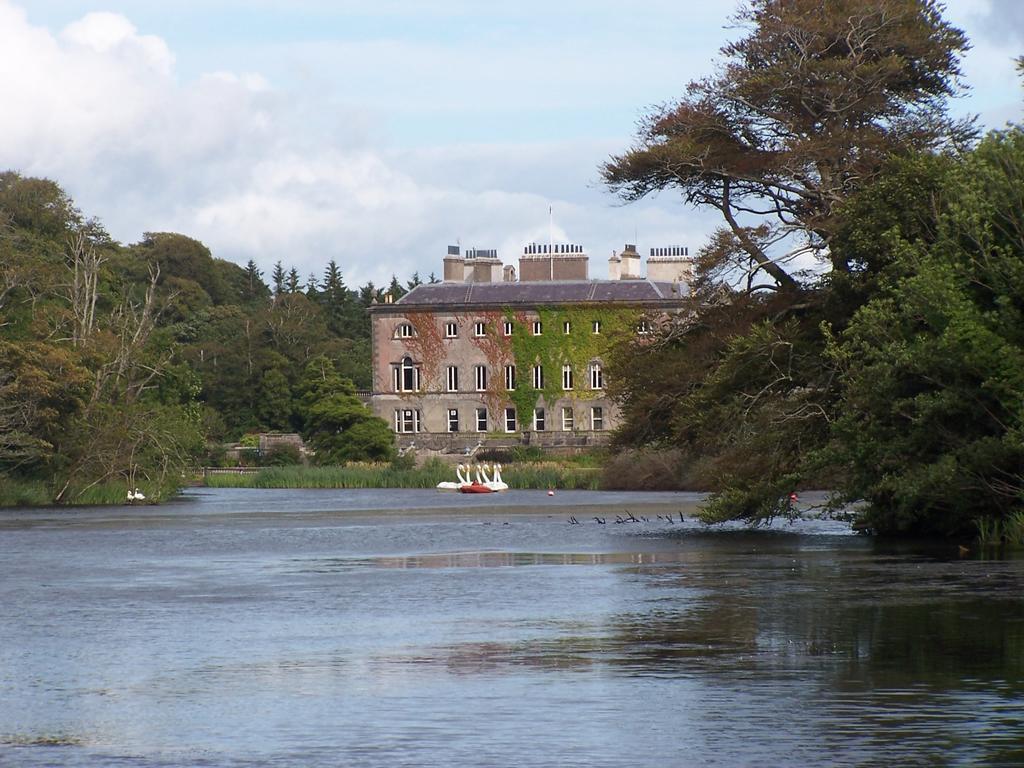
<point>274,401</point>
<point>931,422</point>
<point>42,388</point>
<point>344,430</point>
<point>338,426</point>
<point>38,206</point>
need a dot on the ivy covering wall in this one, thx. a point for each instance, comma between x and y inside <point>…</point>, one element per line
<point>555,348</point>
<point>552,349</point>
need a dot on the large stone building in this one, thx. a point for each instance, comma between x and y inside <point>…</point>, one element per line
<point>487,356</point>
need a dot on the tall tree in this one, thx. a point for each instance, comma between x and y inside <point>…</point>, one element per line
<point>802,112</point>
<point>337,424</point>
<point>254,281</point>
<point>292,282</point>
<point>278,278</point>
<point>367,294</point>
<point>395,289</point>
<point>274,403</point>
<point>333,287</point>
<point>930,430</point>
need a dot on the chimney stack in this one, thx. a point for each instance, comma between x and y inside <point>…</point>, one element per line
<point>630,269</point>
<point>454,266</point>
<point>671,264</point>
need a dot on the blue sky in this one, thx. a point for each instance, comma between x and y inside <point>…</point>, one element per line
<point>376,133</point>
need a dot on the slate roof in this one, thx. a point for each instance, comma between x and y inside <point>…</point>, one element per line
<point>546,292</point>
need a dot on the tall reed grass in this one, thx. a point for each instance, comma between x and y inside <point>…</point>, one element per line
<point>994,531</point>
<point>351,476</point>
<point>36,493</point>
<point>386,476</point>
<point>24,493</point>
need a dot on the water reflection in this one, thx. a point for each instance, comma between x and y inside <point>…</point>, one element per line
<point>320,639</point>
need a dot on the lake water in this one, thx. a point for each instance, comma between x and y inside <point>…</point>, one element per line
<point>247,627</point>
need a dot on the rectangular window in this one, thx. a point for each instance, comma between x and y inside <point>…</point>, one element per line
<point>597,418</point>
<point>566,377</point>
<point>407,420</point>
<point>510,377</point>
<point>451,330</point>
<point>566,327</point>
<point>479,328</point>
<point>506,327</point>
<point>597,326</point>
<point>537,329</point>
<point>480,376</point>
<point>596,376</point>
<point>453,420</point>
<point>567,421</point>
<point>510,419</point>
<point>538,420</point>
<point>481,419</point>
<point>538,377</point>
<point>452,378</point>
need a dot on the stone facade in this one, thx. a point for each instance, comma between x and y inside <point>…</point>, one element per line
<point>449,367</point>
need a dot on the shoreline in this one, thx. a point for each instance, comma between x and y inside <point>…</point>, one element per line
<point>352,505</point>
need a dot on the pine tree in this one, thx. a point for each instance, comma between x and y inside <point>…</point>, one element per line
<point>333,286</point>
<point>395,289</point>
<point>254,280</point>
<point>415,281</point>
<point>294,286</point>
<point>311,287</point>
<point>277,277</point>
<point>367,294</point>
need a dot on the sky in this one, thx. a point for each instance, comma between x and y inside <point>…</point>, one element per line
<point>378,133</point>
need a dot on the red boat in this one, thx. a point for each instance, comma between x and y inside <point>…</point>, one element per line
<point>475,488</point>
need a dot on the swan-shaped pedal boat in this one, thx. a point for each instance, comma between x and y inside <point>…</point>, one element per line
<point>484,484</point>
<point>450,486</point>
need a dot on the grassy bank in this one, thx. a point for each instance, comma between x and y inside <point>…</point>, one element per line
<point>385,476</point>
<point>36,493</point>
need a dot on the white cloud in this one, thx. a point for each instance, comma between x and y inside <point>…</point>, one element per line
<point>111,33</point>
<point>226,158</point>
<point>284,153</point>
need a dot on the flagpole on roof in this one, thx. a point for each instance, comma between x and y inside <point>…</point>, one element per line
<point>551,244</point>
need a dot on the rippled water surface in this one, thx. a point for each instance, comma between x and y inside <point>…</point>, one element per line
<point>242,627</point>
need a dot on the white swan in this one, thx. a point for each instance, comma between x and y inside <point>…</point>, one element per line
<point>450,486</point>
<point>495,484</point>
<point>135,495</point>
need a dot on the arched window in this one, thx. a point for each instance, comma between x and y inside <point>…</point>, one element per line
<point>404,331</point>
<point>406,376</point>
